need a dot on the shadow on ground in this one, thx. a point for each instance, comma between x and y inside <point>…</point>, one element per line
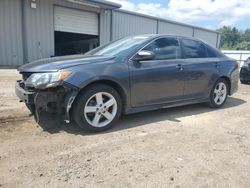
<point>54,124</point>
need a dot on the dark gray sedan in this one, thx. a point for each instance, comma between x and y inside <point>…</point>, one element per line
<point>245,72</point>
<point>130,75</point>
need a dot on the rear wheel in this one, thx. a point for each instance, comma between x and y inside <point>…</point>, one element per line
<point>98,108</point>
<point>219,94</point>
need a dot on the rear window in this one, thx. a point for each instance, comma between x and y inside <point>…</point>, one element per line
<point>194,49</point>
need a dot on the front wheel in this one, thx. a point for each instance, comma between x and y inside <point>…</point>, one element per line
<point>219,94</point>
<point>97,108</point>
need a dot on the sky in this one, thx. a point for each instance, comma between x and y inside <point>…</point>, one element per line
<point>211,14</point>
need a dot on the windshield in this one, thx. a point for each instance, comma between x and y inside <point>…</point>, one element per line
<point>120,47</point>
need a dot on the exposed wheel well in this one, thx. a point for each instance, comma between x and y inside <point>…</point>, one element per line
<point>112,84</point>
<point>228,83</point>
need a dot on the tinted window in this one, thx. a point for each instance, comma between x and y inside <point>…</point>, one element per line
<point>193,49</point>
<point>211,52</point>
<point>164,48</point>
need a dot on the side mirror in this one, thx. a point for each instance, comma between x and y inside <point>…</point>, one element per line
<point>144,55</point>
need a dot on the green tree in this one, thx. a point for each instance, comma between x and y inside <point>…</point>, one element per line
<point>246,36</point>
<point>230,37</point>
<point>243,46</point>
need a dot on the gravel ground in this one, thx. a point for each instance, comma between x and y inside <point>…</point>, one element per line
<point>190,146</point>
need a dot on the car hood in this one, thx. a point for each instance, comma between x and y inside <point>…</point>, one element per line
<point>57,63</point>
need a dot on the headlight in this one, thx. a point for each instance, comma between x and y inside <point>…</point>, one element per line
<point>46,80</point>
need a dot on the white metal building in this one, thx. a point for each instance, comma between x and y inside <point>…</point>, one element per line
<point>34,29</point>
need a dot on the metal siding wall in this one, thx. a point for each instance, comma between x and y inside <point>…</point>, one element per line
<point>39,26</point>
<point>39,30</point>
<point>209,37</point>
<point>11,44</point>
<point>218,40</point>
<point>105,25</point>
<point>171,28</point>
<point>125,24</point>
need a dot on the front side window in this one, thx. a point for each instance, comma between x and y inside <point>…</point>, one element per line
<point>164,49</point>
<point>193,49</point>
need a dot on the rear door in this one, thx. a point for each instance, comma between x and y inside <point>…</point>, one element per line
<point>158,80</point>
<point>199,69</point>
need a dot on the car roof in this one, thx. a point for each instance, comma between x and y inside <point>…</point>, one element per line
<point>168,35</point>
<point>155,36</point>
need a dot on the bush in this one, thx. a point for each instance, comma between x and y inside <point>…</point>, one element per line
<point>243,46</point>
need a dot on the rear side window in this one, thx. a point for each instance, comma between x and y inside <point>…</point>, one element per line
<point>194,49</point>
<point>211,52</point>
<point>164,48</point>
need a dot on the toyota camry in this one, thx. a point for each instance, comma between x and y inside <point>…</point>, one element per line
<point>132,74</point>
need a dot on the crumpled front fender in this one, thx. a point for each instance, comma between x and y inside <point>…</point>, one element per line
<point>56,101</point>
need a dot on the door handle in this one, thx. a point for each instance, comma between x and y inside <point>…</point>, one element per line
<point>179,67</point>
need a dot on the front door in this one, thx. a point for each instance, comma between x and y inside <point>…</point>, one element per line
<point>158,80</point>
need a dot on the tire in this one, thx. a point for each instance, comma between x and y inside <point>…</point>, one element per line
<point>218,96</point>
<point>91,111</point>
<point>244,82</point>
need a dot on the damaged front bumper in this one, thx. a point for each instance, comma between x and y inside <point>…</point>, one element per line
<point>23,95</point>
<point>57,100</point>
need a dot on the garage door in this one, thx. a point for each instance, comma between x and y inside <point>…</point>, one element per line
<point>76,21</point>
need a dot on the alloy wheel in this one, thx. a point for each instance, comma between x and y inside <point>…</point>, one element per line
<point>100,109</point>
<point>220,93</point>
